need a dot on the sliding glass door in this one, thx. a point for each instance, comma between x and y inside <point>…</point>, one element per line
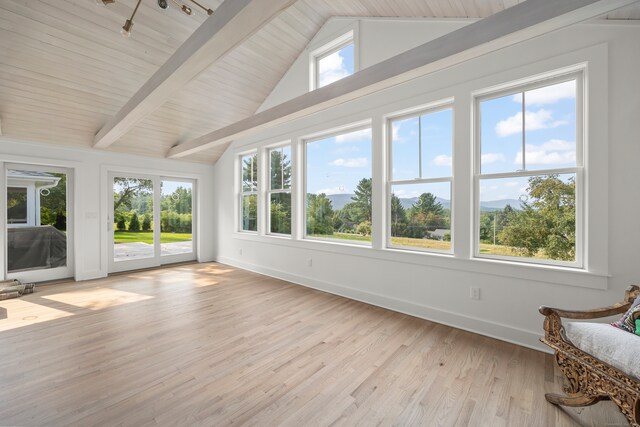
<point>38,223</point>
<point>151,221</point>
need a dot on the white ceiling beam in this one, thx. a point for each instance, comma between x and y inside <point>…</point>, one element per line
<point>231,24</point>
<point>508,27</point>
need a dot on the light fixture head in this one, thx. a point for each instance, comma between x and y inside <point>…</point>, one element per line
<point>163,4</point>
<point>186,9</point>
<point>104,2</point>
<point>126,28</point>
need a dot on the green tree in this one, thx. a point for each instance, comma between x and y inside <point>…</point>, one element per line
<point>426,214</point>
<point>280,170</point>
<point>346,220</point>
<point>146,223</point>
<point>362,200</point>
<point>281,213</point>
<point>134,223</point>
<point>121,225</point>
<point>319,214</point>
<point>364,228</point>
<point>398,217</point>
<point>53,206</point>
<point>250,173</point>
<point>547,222</point>
<point>127,188</point>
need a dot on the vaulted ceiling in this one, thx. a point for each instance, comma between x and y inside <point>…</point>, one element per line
<point>65,69</point>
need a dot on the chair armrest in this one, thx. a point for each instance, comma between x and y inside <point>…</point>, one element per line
<point>619,308</point>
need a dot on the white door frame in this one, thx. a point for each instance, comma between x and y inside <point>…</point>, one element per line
<point>45,274</point>
<point>191,256</point>
<point>157,259</point>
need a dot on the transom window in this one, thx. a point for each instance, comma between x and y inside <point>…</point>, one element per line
<point>338,186</point>
<point>334,61</point>
<point>419,206</point>
<point>529,173</point>
<point>249,192</point>
<point>279,192</point>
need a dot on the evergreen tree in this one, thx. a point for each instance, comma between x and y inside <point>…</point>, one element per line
<point>362,200</point>
<point>121,225</point>
<point>398,218</point>
<point>134,223</point>
<point>146,223</point>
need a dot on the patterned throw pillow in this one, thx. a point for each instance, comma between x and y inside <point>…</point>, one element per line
<point>631,319</point>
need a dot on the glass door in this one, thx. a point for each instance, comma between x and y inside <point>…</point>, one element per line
<point>176,220</point>
<point>134,235</point>
<point>151,221</point>
<point>38,223</point>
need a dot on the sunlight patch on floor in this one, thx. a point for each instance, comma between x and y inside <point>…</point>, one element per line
<point>21,313</point>
<point>97,298</point>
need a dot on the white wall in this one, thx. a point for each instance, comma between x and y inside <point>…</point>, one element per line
<point>91,194</point>
<point>434,286</point>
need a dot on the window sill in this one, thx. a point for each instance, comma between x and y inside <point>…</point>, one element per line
<point>567,276</point>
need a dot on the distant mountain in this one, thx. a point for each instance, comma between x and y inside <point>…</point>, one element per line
<point>339,200</point>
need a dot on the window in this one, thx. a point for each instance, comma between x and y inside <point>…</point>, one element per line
<point>279,194</point>
<point>333,61</point>
<point>529,171</point>
<point>338,186</point>
<point>419,207</point>
<point>17,205</point>
<point>249,193</point>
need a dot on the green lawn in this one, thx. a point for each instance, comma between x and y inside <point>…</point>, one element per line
<point>147,237</point>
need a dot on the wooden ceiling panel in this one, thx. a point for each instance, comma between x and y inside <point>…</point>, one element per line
<point>65,69</point>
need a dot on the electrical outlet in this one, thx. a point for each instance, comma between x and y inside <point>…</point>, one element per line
<point>239,251</point>
<point>474,293</point>
<point>309,262</point>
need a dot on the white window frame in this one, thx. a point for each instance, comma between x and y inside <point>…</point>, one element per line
<point>579,170</point>
<point>319,137</point>
<point>242,192</point>
<point>418,112</point>
<point>270,191</point>
<point>327,49</point>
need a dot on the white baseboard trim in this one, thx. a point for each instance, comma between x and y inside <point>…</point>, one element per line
<point>487,328</point>
<point>90,275</point>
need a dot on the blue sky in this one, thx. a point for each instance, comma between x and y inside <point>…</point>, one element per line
<point>335,165</point>
<point>336,66</point>
<point>550,135</point>
<point>168,187</point>
<point>435,155</point>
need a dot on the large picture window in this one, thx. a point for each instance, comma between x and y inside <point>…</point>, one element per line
<point>419,206</point>
<point>338,186</point>
<point>529,172</point>
<point>249,192</point>
<point>279,193</point>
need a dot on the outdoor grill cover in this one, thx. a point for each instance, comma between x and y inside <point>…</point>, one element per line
<point>36,247</point>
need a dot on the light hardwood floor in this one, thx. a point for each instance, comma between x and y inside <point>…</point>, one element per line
<point>208,344</point>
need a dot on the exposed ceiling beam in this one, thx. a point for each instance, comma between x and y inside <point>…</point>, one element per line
<point>510,26</point>
<point>232,23</point>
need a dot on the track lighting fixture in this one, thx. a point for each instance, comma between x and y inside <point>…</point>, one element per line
<point>126,28</point>
<point>162,4</point>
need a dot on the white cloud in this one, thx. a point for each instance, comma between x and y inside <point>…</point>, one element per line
<point>358,162</point>
<point>552,152</point>
<point>558,145</point>
<point>492,158</point>
<point>549,94</point>
<point>534,120</point>
<point>442,160</point>
<point>357,136</point>
<point>331,69</point>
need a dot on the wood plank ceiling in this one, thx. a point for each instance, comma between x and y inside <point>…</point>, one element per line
<point>65,69</point>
